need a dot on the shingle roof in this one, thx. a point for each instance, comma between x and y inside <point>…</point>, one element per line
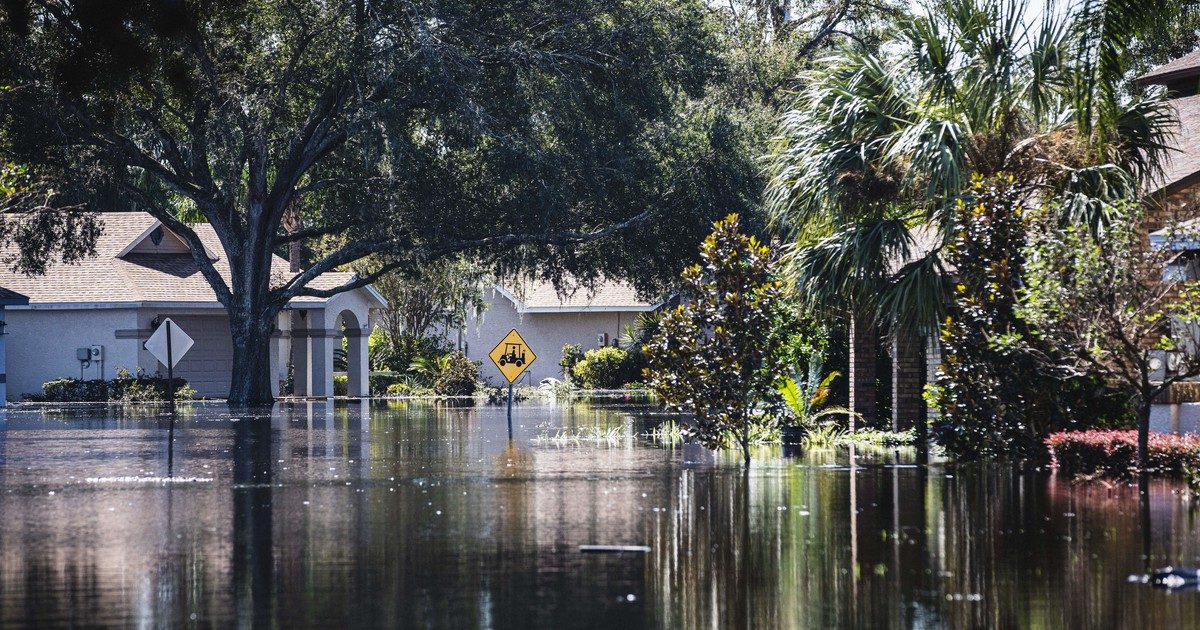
<point>1186,65</point>
<point>537,296</point>
<point>136,277</point>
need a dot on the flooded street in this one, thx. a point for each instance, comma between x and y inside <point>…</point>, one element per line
<point>423,514</point>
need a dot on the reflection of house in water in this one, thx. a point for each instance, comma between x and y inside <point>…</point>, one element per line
<point>548,320</point>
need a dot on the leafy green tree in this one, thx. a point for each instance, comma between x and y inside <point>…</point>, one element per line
<point>881,144</point>
<point>430,304</point>
<point>982,388</point>
<point>718,355</point>
<point>521,133</point>
<point>37,227</point>
<point>1114,308</point>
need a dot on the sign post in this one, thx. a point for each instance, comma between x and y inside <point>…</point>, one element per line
<point>170,372</point>
<point>512,357</point>
<point>168,344</point>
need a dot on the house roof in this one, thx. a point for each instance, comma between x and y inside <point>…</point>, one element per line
<point>1182,68</point>
<point>543,297</point>
<point>127,271</point>
<point>12,298</point>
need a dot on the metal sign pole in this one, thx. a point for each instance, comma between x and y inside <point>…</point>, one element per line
<point>170,372</point>
<point>510,411</point>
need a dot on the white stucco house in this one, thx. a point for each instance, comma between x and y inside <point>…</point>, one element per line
<point>548,320</point>
<point>89,319</point>
<point>7,299</point>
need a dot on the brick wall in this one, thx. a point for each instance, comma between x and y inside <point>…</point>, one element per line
<point>863,343</point>
<point>908,381</point>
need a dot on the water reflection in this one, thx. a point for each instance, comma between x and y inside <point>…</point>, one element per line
<point>416,514</point>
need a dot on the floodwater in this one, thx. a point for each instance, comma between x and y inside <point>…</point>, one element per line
<point>416,514</point>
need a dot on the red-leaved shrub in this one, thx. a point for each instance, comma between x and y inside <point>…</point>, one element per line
<point>1114,453</point>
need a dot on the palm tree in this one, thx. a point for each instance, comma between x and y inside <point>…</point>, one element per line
<point>869,163</point>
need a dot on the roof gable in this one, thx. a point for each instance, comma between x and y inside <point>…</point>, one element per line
<point>159,239</point>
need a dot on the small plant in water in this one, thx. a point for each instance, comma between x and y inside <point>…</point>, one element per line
<point>667,433</point>
<point>611,436</point>
<point>825,435</point>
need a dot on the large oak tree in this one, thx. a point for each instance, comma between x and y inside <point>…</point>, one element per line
<point>520,131</point>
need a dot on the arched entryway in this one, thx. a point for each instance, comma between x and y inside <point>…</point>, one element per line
<point>317,332</point>
<point>355,336</point>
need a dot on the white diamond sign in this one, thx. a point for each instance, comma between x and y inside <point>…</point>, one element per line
<point>180,343</point>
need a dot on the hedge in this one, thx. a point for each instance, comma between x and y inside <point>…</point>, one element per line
<point>603,368</point>
<point>1114,453</point>
<point>133,389</point>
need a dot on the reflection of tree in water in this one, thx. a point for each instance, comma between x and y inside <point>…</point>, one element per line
<point>253,547</point>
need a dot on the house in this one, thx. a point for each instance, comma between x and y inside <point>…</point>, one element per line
<point>1174,217</point>
<point>1175,195</point>
<point>549,319</point>
<point>7,298</point>
<point>90,319</point>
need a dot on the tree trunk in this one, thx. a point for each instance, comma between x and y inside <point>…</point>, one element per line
<point>1143,436</point>
<point>746,450</point>
<point>251,334</point>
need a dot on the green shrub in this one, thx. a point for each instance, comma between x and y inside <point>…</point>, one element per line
<point>124,388</point>
<point>409,348</point>
<point>75,390</point>
<point>603,368</point>
<point>341,385</point>
<point>399,389</point>
<point>459,376</point>
<point>381,382</point>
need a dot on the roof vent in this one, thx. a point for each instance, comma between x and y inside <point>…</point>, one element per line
<point>156,236</point>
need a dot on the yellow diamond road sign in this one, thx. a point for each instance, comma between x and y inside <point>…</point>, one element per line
<point>512,355</point>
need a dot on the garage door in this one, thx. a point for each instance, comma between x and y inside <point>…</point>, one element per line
<point>208,364</point>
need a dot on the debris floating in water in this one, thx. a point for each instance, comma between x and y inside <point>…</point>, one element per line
<point>614,548</point>
<point>1170,578</point>
<point>160,480</point>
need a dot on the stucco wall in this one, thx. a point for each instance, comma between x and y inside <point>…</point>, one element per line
<point>545,332</point>
<point>41,345</point>
<point>3,362</point>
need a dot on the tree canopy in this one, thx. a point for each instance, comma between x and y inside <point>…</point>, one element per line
<point>518,131</point>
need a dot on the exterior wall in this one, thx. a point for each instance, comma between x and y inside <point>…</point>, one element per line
<point>546,334</point>
<point>42,343</point>
<point>863,381</point>
<point>908,381</point>
<point>3,372</point>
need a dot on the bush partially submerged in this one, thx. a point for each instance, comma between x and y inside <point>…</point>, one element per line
<point>124,388</point>
<point>1114,453</point>
<point>459,376</point>
<point>603,368</point>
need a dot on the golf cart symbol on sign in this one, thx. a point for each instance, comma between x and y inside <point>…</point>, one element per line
<point>512,356</point>
<point>513,353</point>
